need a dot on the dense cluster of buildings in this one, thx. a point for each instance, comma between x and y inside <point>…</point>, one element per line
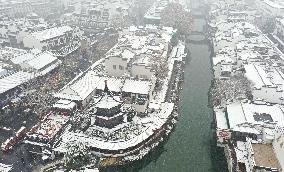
<point>118,112</point>
<point>38,54</point>
<point>250,126</point>
<point>12,31</point>
<point>54,38</point>
<point>19,66</point>
<point>120,107</point>
<point>21,8</point>
<point>37,47</point>
<point>33,31</point>
<point>96,15</point>
<point>33,44</point>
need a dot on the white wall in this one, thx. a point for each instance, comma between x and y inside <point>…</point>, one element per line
<point>141,71</point>
<point>117,61</point>
<point>278,149</point>
<point>86,101</point>
<point>31,42</point>
<point>3,32</point>
<point>217,70</point>
<point>21,36</point>
<point>12,28</point>
<point>3,72</point>
<point>250,158</point>
<point>140,108</point>
<point>26,66</point>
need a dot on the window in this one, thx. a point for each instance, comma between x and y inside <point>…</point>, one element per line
<point>143,76</point>
<point>120,67</point>
<point>114,66</point>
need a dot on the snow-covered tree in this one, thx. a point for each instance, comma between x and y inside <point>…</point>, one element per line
<point>236,87</point>
<point>121,21</point>
<point>77,155</point>
<point>266,23</point>
<point>174,15</point>
<point>160,66</point>
<point>174,40</point>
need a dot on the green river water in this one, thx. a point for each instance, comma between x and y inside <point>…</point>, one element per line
<point>191,146</point>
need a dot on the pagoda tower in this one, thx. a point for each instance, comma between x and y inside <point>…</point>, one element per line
<point>109,110</point>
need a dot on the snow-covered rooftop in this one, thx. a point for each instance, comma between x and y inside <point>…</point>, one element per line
<point>41,60</point>
<point>49,68</point>
<point>14,80</point>
<point>107,101</point>
<point>241,152</point>
<point>127,54</point>
<point>114,84</point>
<point>137,86</point>
<point>51,33</point>
<point>83,85</point>
<point>8,53</point>
<point>80,87</point>
<point>222,58</point>
<point>221,119</point>
<point>5,168</point>
<point>257,75</point>
<point>239,113</point>
<point>64,104</point>
<point>22,58</point>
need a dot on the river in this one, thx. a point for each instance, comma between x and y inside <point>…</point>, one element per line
<point>191,146</point>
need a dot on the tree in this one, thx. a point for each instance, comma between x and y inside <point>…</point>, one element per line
<point>174,40</point>
<point>266,24</point>
<point>236,87</point>
<point>121,21</point>
<point>160,66</point>
<point>77,155</point>
<point>174,15</point>
<point>139,10</point>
